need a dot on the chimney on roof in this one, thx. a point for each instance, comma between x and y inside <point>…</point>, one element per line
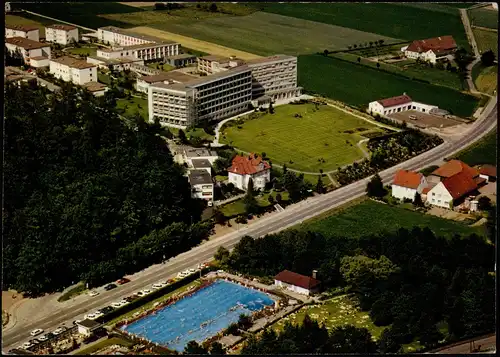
<point>404,93</point>
<point>315,274</point>
<point>439,38</point>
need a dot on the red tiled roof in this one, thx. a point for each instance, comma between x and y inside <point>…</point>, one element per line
<point>488,170</point>
<point>390,102</point>
<point>248,165</point>
<point>289,277</point>
<point>407,179</point>
<point>25,28</point>
<point>460,184</point>
<point>25,43</point>
<point>454,167</point>
<point>427,189</point>
<point>436,44</point>
<point>62,27</point>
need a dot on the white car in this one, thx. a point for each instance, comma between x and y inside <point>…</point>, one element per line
<point>98,314</point>
<point>145,292</point>
<point>27,345</point>
<point>220,271</point>
<point>58,331</point>
<point>117,304</point>
<point>91,316</point>
<point>192,271</point>
<point>158,286</point>
<point>124,302</point>
<point>93,293</point>
<point>181,275</point>
<point>36,331</point>
<point>42,338</point>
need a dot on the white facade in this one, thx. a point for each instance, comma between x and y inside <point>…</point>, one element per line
<point>72,70</point>
<point>402,193</point>
<point>439,196</point>
<point>7,7</point>
<point>118,65</point>
<point>203,191</point>
<point>39,62</point>
<point>294,288</point>
<point>29,49</point>
<point>114,35</point>
<point>260,179</point>
<point>428,56</point>
<point>62,34</point>
<point>23,31</point>
<point>377,108</point>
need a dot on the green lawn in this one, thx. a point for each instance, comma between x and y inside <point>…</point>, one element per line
<point>482,152</point>
<point>396,20</point>
<point>131,106</point>
<point>369,217</point>
<point>77,290</point>
<point>359,85</point>
<point>485,78</point>
<point>83,51</point>
<point>103,344</point>
<point>238,207</point>
<point>301,142</point>
<point>410,70</point>
<point>483,18</point>
<point>486,40</point>
<point>165,67</point>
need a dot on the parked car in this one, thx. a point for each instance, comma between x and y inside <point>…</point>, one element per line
<point>43,338</point>
<point>158,286</point>
<point>124,301</point>
<point>59,330</point>
<point>36,331</point>
<point>93,293</point>
<point>144,292</point>
<point>117,304</point>
<point>34,341</point>
<point>98,314</point>
<point>122,281</point>
<point>91,316</point>
<point>76,321</point>
<point>27,345</point>
<point>110,287</point>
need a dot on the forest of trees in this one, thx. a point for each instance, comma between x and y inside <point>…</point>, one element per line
<point>411,279</point>
<point>86,197</point>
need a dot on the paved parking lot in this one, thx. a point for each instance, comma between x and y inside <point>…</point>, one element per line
<point>425,120</point>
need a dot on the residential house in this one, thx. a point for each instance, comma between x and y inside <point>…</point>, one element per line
<point>431,49</point>
<point>61,34</point>
<point>398,104</point>
<point>202,185</point>
<point>407,184</point>
<point>74,70</point>
<point>29,49</point>
<point>29,32</point>
<point>298,283</point>
<point>181,60</point>
<point>253,167</point>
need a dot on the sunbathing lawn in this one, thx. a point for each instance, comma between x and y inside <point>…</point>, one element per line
<point>301,142</point>
<point>165,67</point>
<point>131,106</point>
<point>238,207</point>
<point>103,344</point>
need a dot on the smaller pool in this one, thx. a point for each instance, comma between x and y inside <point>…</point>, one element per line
<point>199,316</point>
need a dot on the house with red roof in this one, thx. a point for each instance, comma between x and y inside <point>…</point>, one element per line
<point>407,184</point>
<point>488,172</point>
<point>298,283</point>
<point>431,49</point>
<point>253,167</point>
<point>451,183</point>
<point>398,104</point>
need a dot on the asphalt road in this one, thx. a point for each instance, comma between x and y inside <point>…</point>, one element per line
<point>487,344</point>
<point>275,222</point>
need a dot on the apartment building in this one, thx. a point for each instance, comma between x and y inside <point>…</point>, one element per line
<point>117,36</point>
<point>210,98</point>
<point>214,64</point>
<point>74,70</point>
<point>172,77</point>
<point>146,52</point>
<point>275,77</point>
<point>29,49</point>
<point>61,34</point>
<point>25,31</point>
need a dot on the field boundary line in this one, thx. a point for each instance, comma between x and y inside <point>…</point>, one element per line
<point>52,18</point>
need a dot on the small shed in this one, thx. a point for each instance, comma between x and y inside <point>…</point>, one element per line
<point>488,172</point>
<point>87,327</point>
<point>298,283</point>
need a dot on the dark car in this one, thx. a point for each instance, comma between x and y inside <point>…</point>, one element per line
<point>106,310</point>
<point>110,287</point>
<point>122,281</point>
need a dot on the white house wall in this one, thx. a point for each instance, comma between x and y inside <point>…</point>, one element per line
<point>439,196</point>
<point>296,289</point>
<point>259,179</point>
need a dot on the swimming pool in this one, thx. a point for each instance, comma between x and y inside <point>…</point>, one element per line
<point>199,316</point>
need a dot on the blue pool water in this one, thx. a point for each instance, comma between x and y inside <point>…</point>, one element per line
<point>216,307</point>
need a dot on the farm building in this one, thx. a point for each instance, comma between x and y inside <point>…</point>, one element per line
<point>298,283</point>
<point>407,184</point>
<point>70,69</point>
<point>488,172</point>
<point>29,49</point>
<point>25,31</point>
<point>399,104</point>
<point>61,34</point>
<point>253,167</point>
<point>432,49</point>
<point>181,60</point>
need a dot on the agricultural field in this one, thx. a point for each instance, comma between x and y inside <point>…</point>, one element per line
<point>324,138</point>
<point>483,18</point>
<point>485,78</point>
<point>22,20</point>
<point>358,85</point>
<point>410,70</point>
<point>482,152</point>
<point>132,106</point>
<point>370,217</point>
<point>396,20</point>
<point>486,40</point>
<point>263,33</point>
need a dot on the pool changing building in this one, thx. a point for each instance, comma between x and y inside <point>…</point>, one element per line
<point>227,90</point>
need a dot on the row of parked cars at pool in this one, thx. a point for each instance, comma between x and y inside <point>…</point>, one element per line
<point>37,332</point>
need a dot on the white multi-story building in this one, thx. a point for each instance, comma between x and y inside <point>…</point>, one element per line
<point>398,104</point>
<point>275,77</point>
<point>29,49</point>
<point>202,185</point>
<point>210,98</point>
<point>407,184</point>
<point>25,31</point>
<point>73,70</point>
<point>172,77</point>
<point>146,52</point>
<point>214,64</point>
<point>119,64</point>
<point>253,167</point>
<point>116,36</point>
<point>61,34</point>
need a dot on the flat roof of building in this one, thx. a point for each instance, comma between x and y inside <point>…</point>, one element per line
<point>94,86</point>
<point>26,43</point>
<point>199,177</point>
<point>168,76</point>
<point>201,163</point>
<point>25,28</point>
<point>90,324</point>
<point>131,34</point>
<point>73,62</point>
<point>199,153</point>
<point>181,56</point>
<point>213,77</point>
<point>216,58</point>
<point>115,60</point>
<point>270,59</point>
<point>62,27</point>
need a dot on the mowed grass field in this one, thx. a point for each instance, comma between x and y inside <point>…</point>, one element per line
<point>482,152</point>
<point>485,78</point>
<point>258,33</point>
<point>301,142</point>
<point>21,20</point>
<point>370,217</point>
<point>359,85</point>
<point>397,20</point>
<point>133,106</point>
<point>486,40</point>
<point>483,18</point>
<point>196,44</point>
